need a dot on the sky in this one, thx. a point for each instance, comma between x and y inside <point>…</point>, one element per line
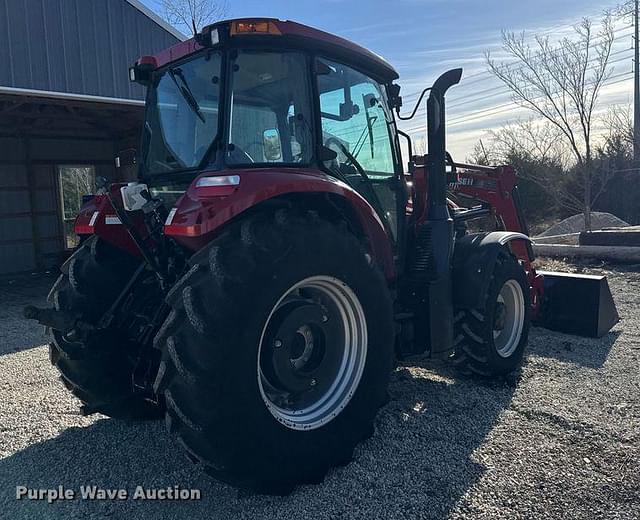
<point>423,38</point>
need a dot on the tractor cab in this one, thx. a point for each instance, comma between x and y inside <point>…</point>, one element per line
<point>268,95</point>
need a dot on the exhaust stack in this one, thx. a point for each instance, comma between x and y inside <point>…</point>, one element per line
<point>438,228</point>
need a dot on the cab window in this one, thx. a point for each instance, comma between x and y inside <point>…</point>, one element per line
<point>357,126</point>
<point>355,122</point>
<point>270,109</point>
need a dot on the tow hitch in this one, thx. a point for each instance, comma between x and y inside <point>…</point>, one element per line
<point>51,318</point>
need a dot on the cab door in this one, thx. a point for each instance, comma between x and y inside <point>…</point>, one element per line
<point>358,126</point>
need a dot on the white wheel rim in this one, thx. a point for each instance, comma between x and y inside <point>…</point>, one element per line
<point>507,337</point>
<point>353,322</point>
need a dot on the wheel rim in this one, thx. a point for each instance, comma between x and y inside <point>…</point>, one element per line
<point>312,353</point>
<point>509,318</point>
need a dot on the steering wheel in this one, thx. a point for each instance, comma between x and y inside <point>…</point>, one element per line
<point>338,147</point>
<point>238,155</point>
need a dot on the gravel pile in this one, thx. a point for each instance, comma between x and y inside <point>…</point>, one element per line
<point>575,224</point>
<point>560,439</point>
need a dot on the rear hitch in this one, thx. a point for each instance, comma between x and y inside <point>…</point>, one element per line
<point>51,318</point>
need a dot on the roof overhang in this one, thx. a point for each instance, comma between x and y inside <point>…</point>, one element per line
<point>59,114</point>
<point>25,92</point>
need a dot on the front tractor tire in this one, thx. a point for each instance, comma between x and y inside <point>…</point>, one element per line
<point>277,352</point>
<point>490,341</point>
<point>97,366</point>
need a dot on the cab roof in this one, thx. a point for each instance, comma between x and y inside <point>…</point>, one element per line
<point>296,34</point>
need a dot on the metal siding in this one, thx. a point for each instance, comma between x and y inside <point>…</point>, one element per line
<point>12,202</point>
<point>38,44</point>
<point>105,170</point>
<point>11,149</point>
<point>6,70</point>
<point>19,41</point>
<point>86,31</point>
<point>44,176</point>
<point>16,258</point>
<point>73,54</point>
<point>131,41</point>
<point>114,47</point>
<point>15,228</point>
<point>47,226</point>
<point>12,176</point>
<point>55,39</point>
<point>47,221</point>
<point>65,150</point>
<point>18,219</point>
<point>76,46</point>
<point>16,246</point>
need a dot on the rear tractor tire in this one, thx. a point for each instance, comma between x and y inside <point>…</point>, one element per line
<point>277,352</point>
<point>97,366</point>
<point>490,341</point>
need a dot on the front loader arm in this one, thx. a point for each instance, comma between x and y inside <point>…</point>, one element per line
<point>496,190</point>
<point>493,186</point>
<point>570,303</point>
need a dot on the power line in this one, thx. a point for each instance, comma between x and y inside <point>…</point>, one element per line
<point>489,75</point>
<point>506,89</point>
<point>499,92</point>
<point>506,107</point>
<point>594,42</point>
<point>548,33</point>
<point>464,84</point>
<point>474,115</point>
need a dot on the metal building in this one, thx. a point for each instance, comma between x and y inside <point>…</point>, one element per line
<point>66,108</point>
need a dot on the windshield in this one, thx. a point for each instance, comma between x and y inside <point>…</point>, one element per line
<point>182,115</point>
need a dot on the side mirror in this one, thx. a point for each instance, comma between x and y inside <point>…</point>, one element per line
<point>126,165</point>
<point>271,145</point>
<point>126,158</point>
<point>348,110</point>
<point>395,100</point>
<point>141,70</point>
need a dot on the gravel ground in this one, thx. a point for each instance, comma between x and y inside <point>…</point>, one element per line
<point>559,440</point>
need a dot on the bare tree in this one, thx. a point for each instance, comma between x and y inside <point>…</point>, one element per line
<point>537,149</point>
<point>540,140</point>
<point>193,15</point>
<point>561,83</point>
<point>618,122</point>
<point>75,181</point>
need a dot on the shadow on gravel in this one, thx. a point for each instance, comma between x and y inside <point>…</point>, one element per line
<point>446,417</point>
<point>586,352</point>
<point>420,462</point>
<point>17,333</point>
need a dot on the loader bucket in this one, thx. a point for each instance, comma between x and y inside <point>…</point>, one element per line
<point>577,304</point>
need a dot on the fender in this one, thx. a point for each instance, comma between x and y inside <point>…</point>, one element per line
<point>97,217</point>
<point>201,213</point>
<point>473,259</point>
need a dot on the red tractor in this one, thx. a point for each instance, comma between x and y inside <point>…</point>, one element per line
<point>275,258</point>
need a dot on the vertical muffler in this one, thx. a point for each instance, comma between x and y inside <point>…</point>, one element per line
<point>577,304</point>
<point>439,224</point>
